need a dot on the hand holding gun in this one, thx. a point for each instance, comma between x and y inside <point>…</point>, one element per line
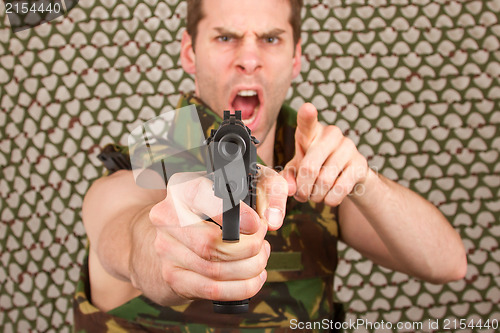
<point>191,257</point>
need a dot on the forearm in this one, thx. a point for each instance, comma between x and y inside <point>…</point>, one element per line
<point>115,213</point>
<point>415,233</point>
<point>131,257</point>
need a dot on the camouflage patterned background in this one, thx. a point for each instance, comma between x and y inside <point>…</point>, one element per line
<point>414,83</point>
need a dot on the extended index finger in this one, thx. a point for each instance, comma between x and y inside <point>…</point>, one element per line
<point>307,125</point>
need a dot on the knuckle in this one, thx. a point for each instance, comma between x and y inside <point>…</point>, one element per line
<point>155,215</point>
<point>206,250</point>
<point>333,199</point>
<point>333,131</point>
<point>338,131</point>
<point>324,179</point>
<point>163,213</point>
<point>160,245</point>
<point>331,170</point>
<point>214,269</point>
<point>315,192</point>
<point>316,197</point>
<point>206,247</point>
<point>339,189</point>
<point>349,143</point>
<point>168,275</point>
<point>329,130</point>
<point>331,202</point>
<point>213,290</point>
<point>262,261</point>
<point>244,289</point>
<point>311,169</point>
<point>178,286</point>
<point>301,195</point>
<point>363,163</point>
<point>254,246</point>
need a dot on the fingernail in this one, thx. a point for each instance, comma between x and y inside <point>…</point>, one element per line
<point>268,249</point>
<point>263,276</point>
<point>299,198</point>
<point>274,217</point>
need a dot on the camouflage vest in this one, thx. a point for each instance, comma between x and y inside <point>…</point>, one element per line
<point>300,270</point>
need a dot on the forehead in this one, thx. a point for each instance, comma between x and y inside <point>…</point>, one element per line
<point>244,15</point>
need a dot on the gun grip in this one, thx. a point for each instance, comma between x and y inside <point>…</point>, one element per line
<point>231,233</point>
<point>231,222</point>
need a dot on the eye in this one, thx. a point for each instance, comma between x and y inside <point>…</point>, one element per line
<point>224,38</point>
<point>271,39</point>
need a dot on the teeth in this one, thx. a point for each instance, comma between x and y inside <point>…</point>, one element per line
<point>247,93</point>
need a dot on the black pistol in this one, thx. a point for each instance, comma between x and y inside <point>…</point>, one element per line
<point>233,161</point>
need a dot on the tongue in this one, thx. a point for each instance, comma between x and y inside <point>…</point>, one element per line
<point>247,105</point>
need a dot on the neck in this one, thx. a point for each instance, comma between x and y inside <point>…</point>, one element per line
<point>265,150</point>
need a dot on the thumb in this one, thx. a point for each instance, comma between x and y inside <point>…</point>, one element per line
<point>249,220</point>
<point>271,197</point>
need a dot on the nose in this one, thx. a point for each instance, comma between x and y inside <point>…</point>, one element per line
<point>248,59</point>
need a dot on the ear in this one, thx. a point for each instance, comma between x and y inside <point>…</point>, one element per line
<point>297,59</point>
<point>187,54</point>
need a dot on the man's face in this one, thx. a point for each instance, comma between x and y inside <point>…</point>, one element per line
<point>245,59</point>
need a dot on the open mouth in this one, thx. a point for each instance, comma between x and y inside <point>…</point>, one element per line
<point>248,102</point>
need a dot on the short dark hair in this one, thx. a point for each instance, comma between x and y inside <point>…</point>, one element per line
<point>195,14</point>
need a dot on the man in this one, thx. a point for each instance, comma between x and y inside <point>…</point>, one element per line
<point>244,55</point>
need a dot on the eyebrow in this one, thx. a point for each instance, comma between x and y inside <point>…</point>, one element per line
<point>224,31</point>
<point>272,32</point>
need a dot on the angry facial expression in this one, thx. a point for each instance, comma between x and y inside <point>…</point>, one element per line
<point>244,58</point>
